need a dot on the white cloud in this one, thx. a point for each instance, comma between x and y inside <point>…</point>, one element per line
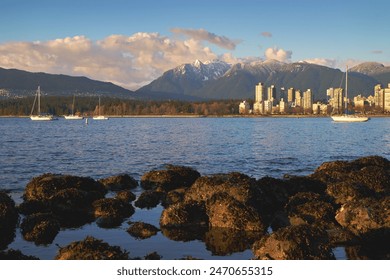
<point>278,54</point>
<point>129,61</point>
<point>322,61</point>
<point>204,35</point>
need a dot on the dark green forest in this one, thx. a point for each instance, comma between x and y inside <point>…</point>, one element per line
<point>88,106</point>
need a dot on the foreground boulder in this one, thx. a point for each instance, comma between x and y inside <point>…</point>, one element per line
<point>173,177</point>
<point>8,213</point>
<point>41,228</point>
<point>111,211</point>
<point>91,249</point>
<point>224,211</point>
<point>367,218</point>
<point>142,230</point>
<point>301,242</point>
<point>12,254</point>
<point>188,214</point>
<point>119,182</point>
<point>67,197</point>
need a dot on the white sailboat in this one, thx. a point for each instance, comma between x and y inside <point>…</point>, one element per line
<point>348,117</point>
<point>39,116</point>
<point>100,116</point>
<point>73,116</point>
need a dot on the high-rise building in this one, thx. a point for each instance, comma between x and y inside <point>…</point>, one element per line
<point>298,98</point>
<point>290,95</point>
<point>386,99</point>
<point>261,93</point>
<point>308,101</point>
<point>271,93</point>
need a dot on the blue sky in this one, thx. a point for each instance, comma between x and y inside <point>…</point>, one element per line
<point>132,42</point>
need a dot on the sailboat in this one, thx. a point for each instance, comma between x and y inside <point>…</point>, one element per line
<point>73,116</point>
<point>100,116</point>
<point>348,117</point>
<point>39,116</point>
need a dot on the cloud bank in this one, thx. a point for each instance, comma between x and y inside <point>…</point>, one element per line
<point>278,54</point>
<point>129,61</point>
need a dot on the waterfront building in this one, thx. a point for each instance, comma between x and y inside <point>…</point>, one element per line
<point>261,93</point>
<point>379,97</point>
<point>290,95</point>
<point>244,107</point>
<point>283,106</point>
<point>271,94</point>
<point>298,98</point>
<point>308,101</point>
<point>258,107</point>
<point>358,102</point>
<point>386,99</point>
<point>335,99</point>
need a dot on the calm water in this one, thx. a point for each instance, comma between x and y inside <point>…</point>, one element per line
<point>255,146</point>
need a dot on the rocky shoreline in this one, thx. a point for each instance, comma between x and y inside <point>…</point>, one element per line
<point>343,203</point>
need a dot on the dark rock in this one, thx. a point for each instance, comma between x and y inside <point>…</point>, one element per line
<point>41,228</point>
<point>364,252</point>
<point>91,249</point>
<point>153,256</point>
<point>240,186</point>
<point>368,218</point>
<point>142,230</point>
<point>224,211</point>
<point>225,241</point>
<point>298,184</point>
<point>185,234</point>
<point>301,242</point>
<point>112,207</point>
<point>173,197</point>
<point>125,195</point>
<point>46,186</point>
<point>32,206</point>
<point>275,194</point>
<point>306,208</point>
<point>119,182</point>
<point>371,172</point>
<point>149,199</point>
<point>173,177</point>
<point>12,254</point>
<point>342,192</point>
<point>8,213</point>
<point>184,214</point>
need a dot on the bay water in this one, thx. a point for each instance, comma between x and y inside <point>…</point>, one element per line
<point>257,147</point>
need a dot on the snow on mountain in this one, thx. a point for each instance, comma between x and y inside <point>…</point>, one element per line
<point>210,70</point>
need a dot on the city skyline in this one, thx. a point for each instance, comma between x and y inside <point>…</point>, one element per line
<point>130,43</point>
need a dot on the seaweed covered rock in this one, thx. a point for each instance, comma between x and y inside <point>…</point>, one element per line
<point>149,199</point>
<point>184,214</point>
<point>91,249</point>
<point>367,218</point>
<point>173,177</point>
<point>303,242</point>
<point>119,182</point>
<point>8,213</point>
<point>12,254</point>
<point>125,195</point>
<point>240,186</point>
<point>371,172</point>
<point>224,211</point>
<point>111,211</point>
<point>67,197</point>
<point>142,230</point>
<point>41,228</point>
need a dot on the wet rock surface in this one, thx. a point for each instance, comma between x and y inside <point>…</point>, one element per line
<point>91,249</point>
<point>343,203</point>
<point>173,177</point>
<point>142,230</point>
<point>294,243</point>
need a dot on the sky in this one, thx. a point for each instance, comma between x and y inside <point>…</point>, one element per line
<point>132,42</point>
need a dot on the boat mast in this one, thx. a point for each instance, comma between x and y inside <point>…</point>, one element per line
<point>39,100</point>
<point>346,91</point>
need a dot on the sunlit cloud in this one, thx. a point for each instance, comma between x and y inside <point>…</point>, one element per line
<point>266,34</point>
<point>278,54</point>
<point>322,61</point>
<point>204,35</point>
<point>129,61</point>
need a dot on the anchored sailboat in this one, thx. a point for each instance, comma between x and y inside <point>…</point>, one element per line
<point>100,116</point>
<point>348,117</point>
<point>39,116</point>
<point>73,116</point>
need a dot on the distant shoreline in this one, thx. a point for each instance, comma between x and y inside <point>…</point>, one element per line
<point>213,116</point>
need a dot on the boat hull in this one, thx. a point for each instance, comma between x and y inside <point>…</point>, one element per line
<point>42,118</point>
<point>73,117</point>
<point>100,118</point>
<point>351,118</point>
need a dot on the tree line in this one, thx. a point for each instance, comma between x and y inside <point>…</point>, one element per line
<point>88,106</point>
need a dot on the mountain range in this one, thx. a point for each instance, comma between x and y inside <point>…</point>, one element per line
<point>210,80</point>
<point>219,80</point>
